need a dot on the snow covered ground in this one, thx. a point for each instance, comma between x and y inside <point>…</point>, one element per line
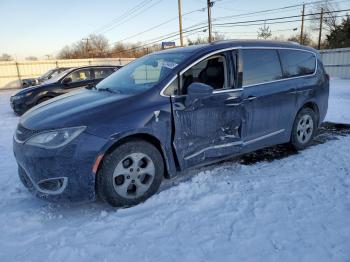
<point>293,208</point>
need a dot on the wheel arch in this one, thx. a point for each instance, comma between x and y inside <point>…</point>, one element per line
<point>313,106</point>
<point>42,96</point>
<point>140,136</point>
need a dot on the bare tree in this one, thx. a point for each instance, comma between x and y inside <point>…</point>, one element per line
<point>6,57</point>
<point>31,58</point>
<point>330,20</point>
<point>93,46</point>
<point>65,53</point>
<point>264,32</point>
<point>307,40</point>
<point>203,40</point>
<point>98,46</point>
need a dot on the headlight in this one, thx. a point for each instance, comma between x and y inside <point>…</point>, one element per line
<point>56,138</point>
<point>16,97</point>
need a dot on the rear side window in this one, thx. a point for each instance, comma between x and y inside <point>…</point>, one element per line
<point>297,63</point>
<point>260,66</point>
<point>102,72</point>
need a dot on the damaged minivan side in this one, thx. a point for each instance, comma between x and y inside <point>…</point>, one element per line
<point>167,112</point>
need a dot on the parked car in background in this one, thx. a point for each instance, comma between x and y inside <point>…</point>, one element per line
<point>66,81</point>
<point>27,82</point>
<point>167,112</point>
<point>48,75</point>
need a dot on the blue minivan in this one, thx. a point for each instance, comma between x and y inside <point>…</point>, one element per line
<point>167,112</point>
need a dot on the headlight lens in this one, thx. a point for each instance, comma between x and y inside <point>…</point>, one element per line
<point>56,138</point>
<point>16,97</point>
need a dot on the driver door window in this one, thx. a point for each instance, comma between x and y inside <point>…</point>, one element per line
<point>80,75</point>
<point>211,71</point>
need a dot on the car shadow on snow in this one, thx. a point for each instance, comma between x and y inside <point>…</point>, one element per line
<point>327,132</point>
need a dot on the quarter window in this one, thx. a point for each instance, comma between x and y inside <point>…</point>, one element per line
<point>260,66</point>
<point>297,63</point>
<point>172,88</point>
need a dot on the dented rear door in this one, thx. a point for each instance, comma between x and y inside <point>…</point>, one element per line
<point>208,129</point>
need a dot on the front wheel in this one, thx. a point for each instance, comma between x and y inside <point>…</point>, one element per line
<point>43,99</point>
<point>304,128</point>
<point>130,174</point>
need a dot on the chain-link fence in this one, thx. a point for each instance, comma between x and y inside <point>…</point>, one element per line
<point>13,72</point>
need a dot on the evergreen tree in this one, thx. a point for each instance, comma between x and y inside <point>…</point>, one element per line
<point>339,37</point>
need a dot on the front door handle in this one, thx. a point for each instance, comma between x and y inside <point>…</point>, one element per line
<point>233,101</point>
<point>250,98</point>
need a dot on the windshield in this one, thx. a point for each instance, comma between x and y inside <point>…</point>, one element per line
<point>142,74</point>
<point>57,77</point>
<point>48,73</point>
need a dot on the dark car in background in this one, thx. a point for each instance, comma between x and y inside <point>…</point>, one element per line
<point>48,75</point>
<point>167,112</point>
<point>66,81</point>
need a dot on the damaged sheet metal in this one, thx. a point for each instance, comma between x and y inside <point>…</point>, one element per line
<point>207,128</point>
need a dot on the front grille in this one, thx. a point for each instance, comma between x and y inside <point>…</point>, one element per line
<point>22,133</point>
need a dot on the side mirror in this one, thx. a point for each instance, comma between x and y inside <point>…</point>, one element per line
<point>67,80</point>
<point>197,90</point>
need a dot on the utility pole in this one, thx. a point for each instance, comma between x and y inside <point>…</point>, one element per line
<point>320,32</point>
<point>209,6</point>
<point>302,25</point>
<point>180,23</point>
<point>87,45</point>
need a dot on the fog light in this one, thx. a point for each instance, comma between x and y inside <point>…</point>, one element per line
<point>52,185</point>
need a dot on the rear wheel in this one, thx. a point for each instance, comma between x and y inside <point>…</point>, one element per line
<point>304,128</point>
<point>130,174</point>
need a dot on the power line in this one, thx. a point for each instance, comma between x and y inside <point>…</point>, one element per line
<point>279,18</point>
<point>128,19</point>
<point>280,9</point>
<point>161,24</point>
<point>242,23</point>
<point>194,28</point>
<point>122,16</point>
<point>272,23</point>
<point>161,39</point>
<point>275,9</point>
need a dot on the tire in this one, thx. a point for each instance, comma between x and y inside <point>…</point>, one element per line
<point>130,174</point>
<point>304,128</point>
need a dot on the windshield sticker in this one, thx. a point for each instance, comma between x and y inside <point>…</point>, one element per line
<point>167,64</point>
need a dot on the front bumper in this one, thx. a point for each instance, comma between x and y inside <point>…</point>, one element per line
<point>60,174</point>
<point>19,106</point>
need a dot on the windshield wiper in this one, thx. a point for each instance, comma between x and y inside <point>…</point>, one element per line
<point>110,90</point>
<point>90,86</point>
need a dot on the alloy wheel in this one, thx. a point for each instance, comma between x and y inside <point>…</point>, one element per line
<point>133,175</point>
<point>305,129</point>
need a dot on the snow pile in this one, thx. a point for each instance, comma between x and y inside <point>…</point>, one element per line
<point>293,209</point>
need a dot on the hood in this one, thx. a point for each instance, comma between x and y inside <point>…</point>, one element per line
<point>32,89</point>
<point>80,108</point>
